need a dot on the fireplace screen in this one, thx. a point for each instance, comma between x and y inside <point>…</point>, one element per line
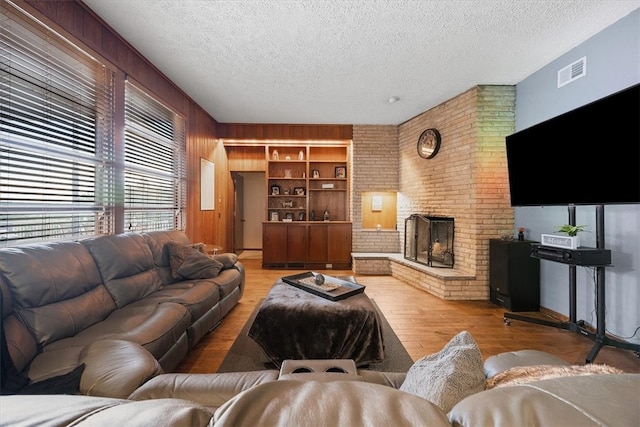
<point>429,240</point>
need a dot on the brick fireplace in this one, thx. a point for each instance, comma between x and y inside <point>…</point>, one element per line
<point>467,180</point>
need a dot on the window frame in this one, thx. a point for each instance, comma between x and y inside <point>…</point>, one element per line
<point>152,127</point>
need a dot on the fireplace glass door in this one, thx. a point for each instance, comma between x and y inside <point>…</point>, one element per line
<point>428,240</point>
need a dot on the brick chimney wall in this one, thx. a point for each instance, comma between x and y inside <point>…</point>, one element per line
<point>466,180</point>
<point>374,167</point>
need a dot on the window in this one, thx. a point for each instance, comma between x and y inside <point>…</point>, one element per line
<point>62,174</point>
<point>56,151</point>
<point>154,159</point>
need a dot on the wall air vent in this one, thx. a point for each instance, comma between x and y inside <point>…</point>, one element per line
<point>572,72</point>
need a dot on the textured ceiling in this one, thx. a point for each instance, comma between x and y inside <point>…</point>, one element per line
<point>339,61</point>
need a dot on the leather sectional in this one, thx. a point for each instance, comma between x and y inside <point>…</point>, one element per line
<point>112,306</point>
<point>110,303</point>
<point>277,398</point>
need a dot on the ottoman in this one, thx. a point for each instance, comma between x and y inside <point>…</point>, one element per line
<point>294,324</point>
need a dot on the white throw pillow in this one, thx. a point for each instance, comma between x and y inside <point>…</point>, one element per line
<point>447,377</point>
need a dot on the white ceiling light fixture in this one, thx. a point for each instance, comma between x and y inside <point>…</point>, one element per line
<point>393,99</point>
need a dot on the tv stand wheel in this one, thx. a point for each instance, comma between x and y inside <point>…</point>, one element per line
<point>507,322</point>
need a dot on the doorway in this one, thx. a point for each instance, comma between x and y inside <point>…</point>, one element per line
<point>249,201</point>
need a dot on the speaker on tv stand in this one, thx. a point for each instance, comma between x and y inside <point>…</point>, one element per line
<point>514,276</point>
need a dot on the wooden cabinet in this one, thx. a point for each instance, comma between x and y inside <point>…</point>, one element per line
<point>338,243</point>
<point>317,248</point>
<point>328,185</point>
<point>329,244</point>
<point>286,183</point>
<point>305,181</point>
<point>284,244</point>
<point>514,276</point>
<point>307,190</point>
<point>274,244</point>
<point>307,245</point>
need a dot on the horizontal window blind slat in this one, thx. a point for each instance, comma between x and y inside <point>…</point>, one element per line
<point>60,209</point>
<point>41,117</point>
<point>28,228</point>
<point>71,70</point>
<point>30,147</point>
<point>135,128</point>
<point>75,87</point>
<point>27,100</point>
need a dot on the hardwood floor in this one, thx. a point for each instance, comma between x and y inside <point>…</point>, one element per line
<point>423,322</point>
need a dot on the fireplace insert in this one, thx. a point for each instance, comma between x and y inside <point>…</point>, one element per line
<point>429,240</point>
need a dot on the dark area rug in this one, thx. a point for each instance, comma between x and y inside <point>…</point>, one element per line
<point>246,355</point>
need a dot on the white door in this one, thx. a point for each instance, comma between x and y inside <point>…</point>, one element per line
<point>254,209</point>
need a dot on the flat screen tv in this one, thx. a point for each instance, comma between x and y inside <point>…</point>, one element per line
<point>587,156</point>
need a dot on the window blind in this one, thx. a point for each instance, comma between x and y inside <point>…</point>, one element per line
<point>154,164</point>
<point>56,136</point>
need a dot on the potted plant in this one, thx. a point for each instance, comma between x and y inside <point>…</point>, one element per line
<point>570,230</point>
<point>570,241</point>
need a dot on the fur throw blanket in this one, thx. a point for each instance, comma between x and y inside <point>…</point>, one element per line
<point>294,324</point>
<point>526,374</point>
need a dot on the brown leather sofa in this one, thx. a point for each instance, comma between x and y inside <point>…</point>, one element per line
<point>110,303</point>
<point>360,397</point>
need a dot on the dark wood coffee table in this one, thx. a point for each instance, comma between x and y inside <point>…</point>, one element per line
<point>292,323</point>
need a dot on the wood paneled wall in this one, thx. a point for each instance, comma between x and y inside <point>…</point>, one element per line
<point>285,131</point>
<point>207,226</point>
<point>247,158</point>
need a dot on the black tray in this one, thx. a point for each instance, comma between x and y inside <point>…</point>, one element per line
<point>345,290</point>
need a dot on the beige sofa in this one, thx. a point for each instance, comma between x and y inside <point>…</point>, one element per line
<point>353,398</point>
<point>113,305</point>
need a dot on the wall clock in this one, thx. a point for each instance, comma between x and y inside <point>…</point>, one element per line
<point>429,143</point>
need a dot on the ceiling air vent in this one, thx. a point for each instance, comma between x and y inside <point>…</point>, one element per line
<point>572,72</point>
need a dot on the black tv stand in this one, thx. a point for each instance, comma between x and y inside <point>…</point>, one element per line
<point>599,337</point>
